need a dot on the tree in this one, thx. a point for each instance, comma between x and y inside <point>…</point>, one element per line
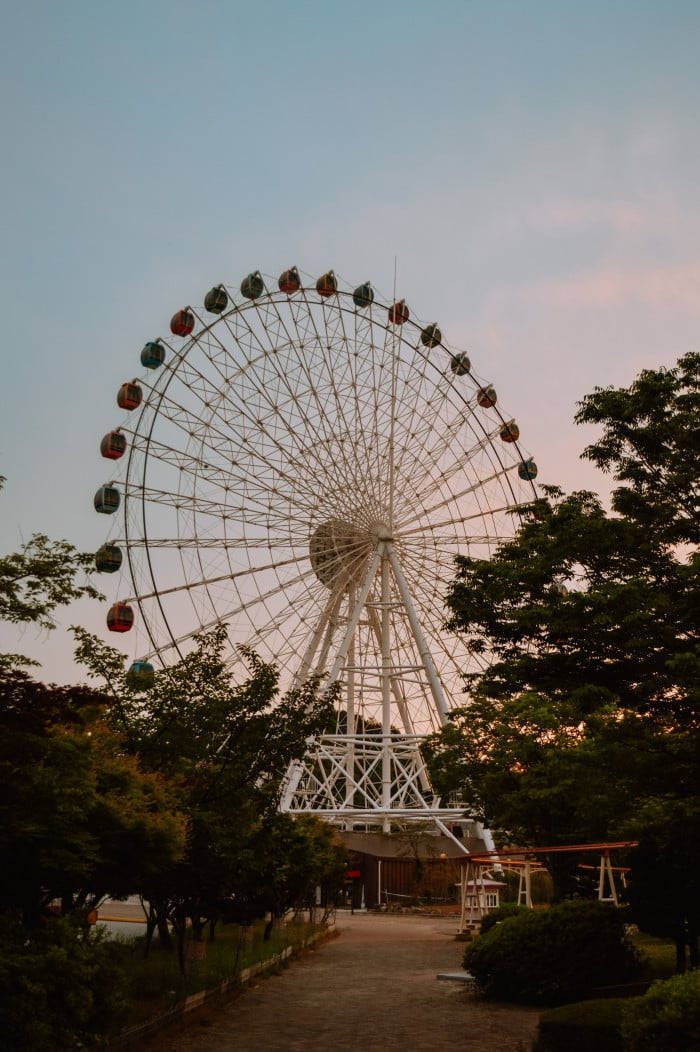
<point>664,893</point>
<point>79,818</point>
<point>228,746</point>
<point>41,576</point>
<point>591,702</point>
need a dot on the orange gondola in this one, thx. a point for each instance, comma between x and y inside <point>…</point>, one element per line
<point>327,284</point>
<point>129,395</point>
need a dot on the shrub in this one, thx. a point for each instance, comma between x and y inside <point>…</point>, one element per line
<point>62,987</point>
<point>550,957</point>
<point>508,909</point>
<point>581,1027</point>
<point>666,1018</point>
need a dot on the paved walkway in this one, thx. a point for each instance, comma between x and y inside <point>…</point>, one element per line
<point>373,988</point>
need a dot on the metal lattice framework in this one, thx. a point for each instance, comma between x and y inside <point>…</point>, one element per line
<point>304,471</point>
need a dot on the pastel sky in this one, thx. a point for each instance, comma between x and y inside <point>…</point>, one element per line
<point>534,167</point>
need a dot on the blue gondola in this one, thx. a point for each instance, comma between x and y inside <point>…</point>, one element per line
<point>141,675</point>
<point>107,500</point>
<point>460,364</point>
<point>431,335</point>
<point>216,300</point>
<point>527,470</point>
<point>108,558</point>
<point>153,354</point>
<point>253,285</point>
<point>363,295</point>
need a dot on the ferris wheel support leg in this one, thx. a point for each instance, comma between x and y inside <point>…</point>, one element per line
<point>352,622</point>
<point>435,685</point>
<point>329,612</point>
<point>386,687</point>
<point>350,709</point>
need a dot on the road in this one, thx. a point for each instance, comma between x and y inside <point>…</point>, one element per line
<point>374,987</point>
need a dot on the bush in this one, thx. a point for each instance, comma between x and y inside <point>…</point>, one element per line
<point>582,1027</point>
<point>508,909</point>
<point>549,957</point>
<point>666,1018</point>
<point>62,987</point>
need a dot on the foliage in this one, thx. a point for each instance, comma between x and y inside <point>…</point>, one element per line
<point>582,1026</point>
<point>555,955</point>
<point>664,891</point>
<point>666,1018</point>
<point>494,917</point>
<point>227,746</point>
<point>62,987</point>
<point>591,704</point>
<point>41,576</point>
<point>79,818</point>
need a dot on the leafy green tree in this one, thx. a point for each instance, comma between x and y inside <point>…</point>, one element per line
<point>228,746</point>
<point>590,704</point>
<point>79,819</point>
<point>664,879</point>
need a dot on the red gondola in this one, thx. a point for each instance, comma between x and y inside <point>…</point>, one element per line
<point>120,617</point>
<point>113,445</point>
<point>289,281</point>
<point>510,432</point>
<point>182,322</point>
<point>486,397</point>
<point>129,395</point>
<point>399,313</point>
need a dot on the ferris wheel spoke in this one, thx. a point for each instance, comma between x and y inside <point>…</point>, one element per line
<point>196,428</point>
<point>189,585</point>
<point>458,465</point>
<point>427,512</point>
<point>215,543</point>
<point>322,341</point>
<point>304,449</point>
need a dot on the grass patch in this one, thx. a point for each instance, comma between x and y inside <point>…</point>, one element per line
<point>582,1026</point>
<point>659,955</point>
<point>155,983</point>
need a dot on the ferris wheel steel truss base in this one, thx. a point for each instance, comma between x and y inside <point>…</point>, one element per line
<point>376,778</point>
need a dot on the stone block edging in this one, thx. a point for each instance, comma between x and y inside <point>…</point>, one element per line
<point>136,1033</point>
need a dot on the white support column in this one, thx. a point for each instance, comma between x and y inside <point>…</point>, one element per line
<point>352,621</point>
<point>329,612</point>
<point>386,686</point>
<point>425,656</point>
<point>350,707</point>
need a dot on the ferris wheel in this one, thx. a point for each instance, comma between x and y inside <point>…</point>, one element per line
<point>301,460</point>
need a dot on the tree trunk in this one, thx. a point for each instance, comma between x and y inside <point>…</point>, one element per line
<point>680,954</point>
<point>212,927</point>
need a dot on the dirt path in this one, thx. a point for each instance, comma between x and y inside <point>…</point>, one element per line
<point>373,988</point>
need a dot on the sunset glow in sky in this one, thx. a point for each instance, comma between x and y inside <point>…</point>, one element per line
<point>533,167</point>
